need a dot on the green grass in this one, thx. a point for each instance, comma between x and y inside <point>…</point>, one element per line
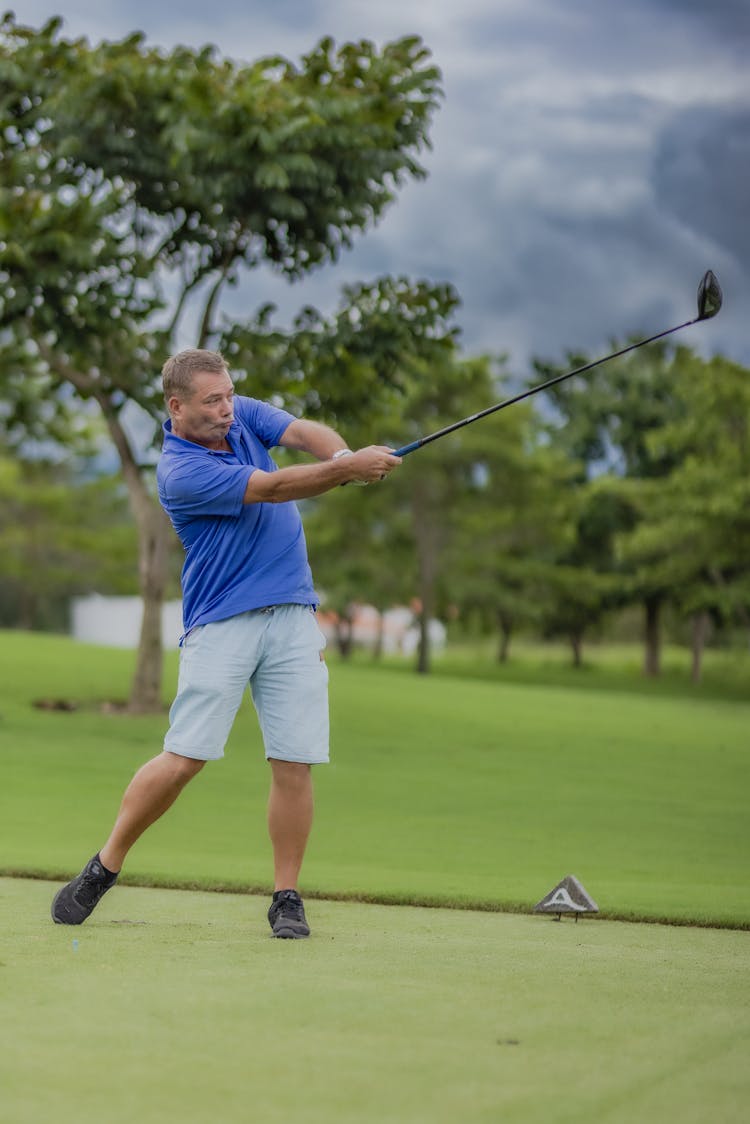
<point>454,789</point>
<point>177,1006</point>
<point>606,666</point>
<point>443,789</point>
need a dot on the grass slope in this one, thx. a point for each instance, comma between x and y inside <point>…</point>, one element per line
<point>441,789</point>
<point>178,1006</point>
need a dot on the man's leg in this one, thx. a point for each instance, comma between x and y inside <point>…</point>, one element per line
<point>153,790</point>
<point>290,816</point>
<point>290,692</point>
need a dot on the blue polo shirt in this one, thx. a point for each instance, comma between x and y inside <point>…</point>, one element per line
<point>238,556</point>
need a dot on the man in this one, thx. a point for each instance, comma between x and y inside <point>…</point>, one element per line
<point>249,616</point>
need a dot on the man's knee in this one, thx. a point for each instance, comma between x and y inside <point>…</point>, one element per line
<point>182,768</point>
<point>290,774</point>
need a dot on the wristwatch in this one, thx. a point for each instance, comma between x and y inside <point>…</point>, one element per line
<point>348,453</point>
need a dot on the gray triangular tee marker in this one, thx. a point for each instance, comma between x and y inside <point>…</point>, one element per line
<point>568,896</point>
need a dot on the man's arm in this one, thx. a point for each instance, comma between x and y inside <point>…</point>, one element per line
<point>319,440</point>
<point>303,481</point>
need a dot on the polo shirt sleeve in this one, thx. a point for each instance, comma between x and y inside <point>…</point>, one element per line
<point>205,485</point>
<point>267,422</point>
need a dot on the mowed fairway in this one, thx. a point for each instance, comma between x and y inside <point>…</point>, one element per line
<point>178,1006</point>
<point>440,790</point>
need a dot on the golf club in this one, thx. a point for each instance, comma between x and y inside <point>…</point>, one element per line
<point>709,303</point>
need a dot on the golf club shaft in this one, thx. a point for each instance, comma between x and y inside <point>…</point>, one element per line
<point>410,448</point>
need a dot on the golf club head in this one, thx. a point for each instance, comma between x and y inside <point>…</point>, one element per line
<point>709,296</point>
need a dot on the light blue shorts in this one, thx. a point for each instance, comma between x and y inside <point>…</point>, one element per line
<point>278,653</point>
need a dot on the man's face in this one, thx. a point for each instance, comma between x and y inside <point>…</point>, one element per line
<point>206,415</point>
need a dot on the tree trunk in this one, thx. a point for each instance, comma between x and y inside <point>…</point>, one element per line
<point>701,624</point>
<point>506,629</point>
<point>423,652</point>
<point>377,648</point>
<point>426,569</point>
<point>154,533</point>
<point>344,630</point>
<point>652,655</point>
<point>25,612</point>
<point>576,644</point>
<point>425,534</point>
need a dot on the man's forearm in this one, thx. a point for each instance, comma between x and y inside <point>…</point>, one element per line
<point>312,437</point>
<point>297,482</point>
<point>303,481</point>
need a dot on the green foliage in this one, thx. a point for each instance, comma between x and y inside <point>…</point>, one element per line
<point>693,534</point>
<point>603,418</point>
<point>514,524</point>
<point>129,174</point>
<point>660,437</point>
<point>263,161</point>
<point>73,302</point>
<point>59,537</point>
<point>389,543</point>
<point>136,184</point>
<point>361,550</point>
<point>354,369</point>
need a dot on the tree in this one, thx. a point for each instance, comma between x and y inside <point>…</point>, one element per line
<point>512,526</point>
<point>603,421</point>
<point>430,495</point>
<point>693,533</point>
<point>354,368</point>
<point>361,553</point>
<point>136,186</point>
<point>59,536</point>
<point>382,343</point>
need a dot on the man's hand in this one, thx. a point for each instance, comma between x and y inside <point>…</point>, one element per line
<point>364,466</point>
<point>303,481</point>
<point>372,463</point>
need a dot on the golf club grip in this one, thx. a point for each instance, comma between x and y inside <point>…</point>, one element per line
<point>406,449</point>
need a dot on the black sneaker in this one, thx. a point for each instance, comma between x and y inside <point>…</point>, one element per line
<point>287,915</point>
<point>76,901</point>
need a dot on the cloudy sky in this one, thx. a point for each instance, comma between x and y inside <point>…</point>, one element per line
<point>590,161</point>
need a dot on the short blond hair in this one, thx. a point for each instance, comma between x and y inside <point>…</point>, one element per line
<point>178,371</point>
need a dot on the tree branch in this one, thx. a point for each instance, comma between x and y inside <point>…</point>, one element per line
<point>84,383</point>
<point>213,296</point>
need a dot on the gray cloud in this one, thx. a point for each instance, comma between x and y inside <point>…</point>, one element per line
<point>590,159</point>
<point>702,173</point>
<point>728,20</point>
